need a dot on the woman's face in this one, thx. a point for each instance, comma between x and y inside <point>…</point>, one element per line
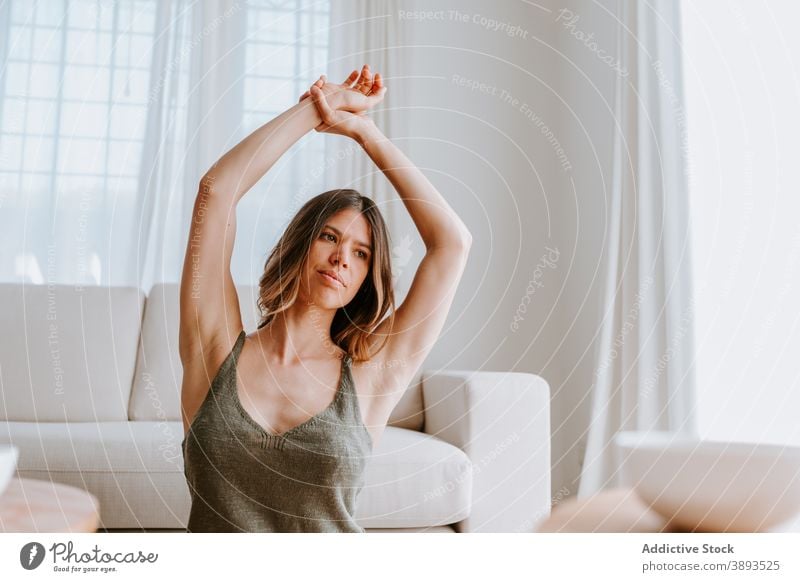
<point>343,249</point>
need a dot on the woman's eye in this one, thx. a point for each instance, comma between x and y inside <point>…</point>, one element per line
<point>329,234</point>
<point>363,254</point>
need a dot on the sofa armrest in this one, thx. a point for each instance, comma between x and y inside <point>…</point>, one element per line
<point>501,420</point>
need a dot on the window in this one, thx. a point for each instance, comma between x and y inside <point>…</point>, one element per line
<point>742,90</point>
<point>72,106</point>
<point>287,52</point>
<point>76,90</point>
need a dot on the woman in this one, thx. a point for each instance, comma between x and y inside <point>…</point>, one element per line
<point>279,423</point>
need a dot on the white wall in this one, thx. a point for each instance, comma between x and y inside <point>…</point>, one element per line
<point>492,162</point>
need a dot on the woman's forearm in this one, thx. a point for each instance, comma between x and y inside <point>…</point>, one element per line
<point>438,224</point>
<point>247,162</point>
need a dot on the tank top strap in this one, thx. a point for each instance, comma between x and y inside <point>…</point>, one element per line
<point>349,400</point>
<point>226,375</point>
<point>237,347</point>
<point>347,375</point>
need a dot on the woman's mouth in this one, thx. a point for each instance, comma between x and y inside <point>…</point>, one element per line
<point>331,280</point>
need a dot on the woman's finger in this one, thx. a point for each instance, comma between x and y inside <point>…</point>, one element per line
<point>365,81</point>
<point>318,96</point>
<point>319,83</point>
<point>348,82</point>
<point>378,84</point>
<point>377,96</point>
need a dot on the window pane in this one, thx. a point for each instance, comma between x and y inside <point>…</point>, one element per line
<point>279,27</point>
<point>50,13</point>
<point>128,121</point>
<point>43,80</point>
<point>23,12</point>
<point>47,45</point>
<point>38,156</point>
<point>9,196</point>
<point>10,152</point>
<point>269,95</point>
<point>81,156</point>
<point>143,20</point>
<point>86,83</point>
<point>131,86</point>
<point>88,47</point>
<point>19,47</point>
<point>17,79</point>
<point>273,60</point>
<point>83,120</point>
<point>13,114</point>
<point>41,117</point>
<point>90,14</point>
<point>134,50</point>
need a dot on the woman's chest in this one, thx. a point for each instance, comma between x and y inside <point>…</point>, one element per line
<point>282,400</point>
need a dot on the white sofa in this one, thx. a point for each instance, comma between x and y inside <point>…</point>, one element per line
<point>90,381</point>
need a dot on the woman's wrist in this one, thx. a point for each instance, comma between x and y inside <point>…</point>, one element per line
<point>368,132</point>
<point>306,114</point>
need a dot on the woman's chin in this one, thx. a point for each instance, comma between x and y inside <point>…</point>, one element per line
<point>328,298</point>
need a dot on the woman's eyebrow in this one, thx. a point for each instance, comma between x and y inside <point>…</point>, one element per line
<point>358,242</point>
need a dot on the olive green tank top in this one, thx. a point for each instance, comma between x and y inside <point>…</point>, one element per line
<point>243,479</point>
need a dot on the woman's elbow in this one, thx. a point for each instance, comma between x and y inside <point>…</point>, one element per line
<point>463,238</point>
<point>218,186</point>
<point>208,183</point>
<point>459,243</point>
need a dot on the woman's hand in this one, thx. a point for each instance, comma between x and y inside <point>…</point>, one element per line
<point>339,121</point>
<point>357,94</point>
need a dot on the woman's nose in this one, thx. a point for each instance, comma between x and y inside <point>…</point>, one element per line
<point>339,256</point>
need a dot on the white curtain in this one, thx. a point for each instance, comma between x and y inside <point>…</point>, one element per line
<point>369,31</point>
<point>194,86</point>
<point>644,374</point>
<point>108,127</point>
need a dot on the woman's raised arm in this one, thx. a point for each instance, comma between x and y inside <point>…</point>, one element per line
<point>239,169</point>
<point>210,319</point>
<point>420,318</point>
<point>246,163</point>
<point>209,308</point>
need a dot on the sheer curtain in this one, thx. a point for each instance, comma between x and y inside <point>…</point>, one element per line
<point>644,368</point>
<point>110,113</point>
<point>369,31</point>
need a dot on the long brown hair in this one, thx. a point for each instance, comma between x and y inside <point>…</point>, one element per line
<point>279,286</point>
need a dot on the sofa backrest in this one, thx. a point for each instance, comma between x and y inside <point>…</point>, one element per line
<point>157,381</point>
<point>67,353</point>
<point>156,391</point>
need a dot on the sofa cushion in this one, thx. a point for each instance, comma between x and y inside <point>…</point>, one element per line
<point>135,469</point>
<point>73,353</point>
<point>414,480</point>
<point>157,384</point>
<point>112,447</point>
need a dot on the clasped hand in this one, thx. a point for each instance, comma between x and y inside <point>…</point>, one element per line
<point>342,108</point>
